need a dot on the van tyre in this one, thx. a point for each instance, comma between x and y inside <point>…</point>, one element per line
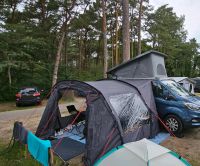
<point>174,124</point>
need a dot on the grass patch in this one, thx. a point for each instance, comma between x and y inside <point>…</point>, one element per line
<point>17,157</point>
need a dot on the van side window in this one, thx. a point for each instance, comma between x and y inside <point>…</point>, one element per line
<point>159,90</point>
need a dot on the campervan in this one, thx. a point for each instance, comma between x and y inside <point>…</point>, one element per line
<point>177,107</point>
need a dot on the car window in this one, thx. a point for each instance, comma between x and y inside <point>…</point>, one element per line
<point>181,83</point>
<point>28,91</point>
<point>159,90</point>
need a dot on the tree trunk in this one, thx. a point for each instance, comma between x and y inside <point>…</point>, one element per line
<point>43,10</point>
<point>125,30</point>
<point>112,52</point>
<point>80,51</point>
<point>66,56</point>
<point>85,42</point>
<point>112,40</point>
<point>58,56</point>
<point>60,45</point>
<point>63,30</point>
<point>134,45</point>
<point>9,76</point>
<point>139,28</point>
<point>104,30</point>
<point>117,37</point>
<point>132,33</point>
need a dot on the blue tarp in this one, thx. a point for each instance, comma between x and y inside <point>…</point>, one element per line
<point>160,137</point>
<point>75,133</point>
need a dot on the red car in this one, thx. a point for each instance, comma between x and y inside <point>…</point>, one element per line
<point>28,96</point>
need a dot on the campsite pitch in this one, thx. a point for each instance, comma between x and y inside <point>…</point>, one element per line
<point>188,146</point>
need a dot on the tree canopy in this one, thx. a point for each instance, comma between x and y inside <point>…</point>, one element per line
<point>36,36</point>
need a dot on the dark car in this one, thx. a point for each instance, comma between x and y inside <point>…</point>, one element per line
<point>28,96</point>
<point>179,108</point>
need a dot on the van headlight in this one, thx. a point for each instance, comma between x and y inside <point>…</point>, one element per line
<point>192,106</point>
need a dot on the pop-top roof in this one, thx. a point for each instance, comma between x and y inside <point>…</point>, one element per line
<point>150,64</point>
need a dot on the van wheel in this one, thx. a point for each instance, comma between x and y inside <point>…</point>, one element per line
<point>174,123</point>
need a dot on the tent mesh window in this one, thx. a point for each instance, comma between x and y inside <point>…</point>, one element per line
<point>160,69</point>
<point>131,111</point>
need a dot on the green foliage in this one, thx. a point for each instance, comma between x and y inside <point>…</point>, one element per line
<point>29,33</point>
<point>95,73</point>
<point>167,35</point>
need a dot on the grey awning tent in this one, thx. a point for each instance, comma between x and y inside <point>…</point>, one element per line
<point>145,88</point>
<point>140,72</point>
<point>116,113</point>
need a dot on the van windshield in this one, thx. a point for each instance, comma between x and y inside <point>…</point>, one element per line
<point>176,88</point>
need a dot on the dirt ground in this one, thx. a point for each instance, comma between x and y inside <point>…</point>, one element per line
<point>188,146</point>
<point>29,117</point>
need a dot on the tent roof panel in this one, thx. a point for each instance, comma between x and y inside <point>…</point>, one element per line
<point>144,146</point>
<point>112,87</point>
<point>135,59</point>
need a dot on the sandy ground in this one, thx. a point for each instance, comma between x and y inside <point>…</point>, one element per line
<point>29,117</point>
<point>188,146</point>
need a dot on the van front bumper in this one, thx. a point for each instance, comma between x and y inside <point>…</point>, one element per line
<point>193,119</point>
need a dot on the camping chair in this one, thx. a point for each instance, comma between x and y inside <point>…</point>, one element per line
<point>20,134</point>
<point>40,149</point>
<point>65,148</point>
<point>75,147</point>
